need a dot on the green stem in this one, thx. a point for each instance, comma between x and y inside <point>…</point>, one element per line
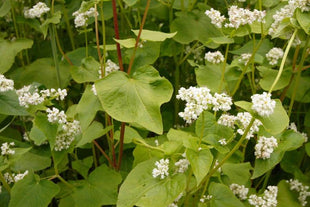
<point>86,43</point>
<point>4,183</point>
<point>224,68</point>
<point>283,61</point>
<point>102,66</point>
<point>52,30</point>
<point>140,142</point>
<point>267,176</point>
<point>300,66</point>
<point>177,87</point>
<point>94,155</point>
<point>236,147</point>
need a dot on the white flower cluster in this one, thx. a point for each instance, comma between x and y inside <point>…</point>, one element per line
<point>13,178</point>
<point>274,55</point>
<point>182,165</point>
<point>293,127</point>
<point>205,198</point>
<point>6,84</point>
<point>36,11</point>
<point>6,148</point>
<point>110,67</point>
<point>287,12</point>
<point>240,16</point>
<point>214,57</point>
<point>265,147</point>
<point>263,104</point>
<point>200,99</point>
<point>242,119</point>
<point>301,189</point>
<point>269,199</point>
<point>216,18</point>
<point>67,135</point>
<point>56,116</point>
<point>245,57</point>
<point>223,141</point>
<point>239,190</point>
<point>162,168</point>
<point>80,18</point>
<point>30,95</point>
<point>94,90</point>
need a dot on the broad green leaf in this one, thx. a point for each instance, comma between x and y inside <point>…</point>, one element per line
<point>35,73</point>
<point>10,105</point>
<point>307,148</point>
<point>200,162</point>
<point>286,197</point>
<point>130,2</point>
<point>142,189</point>
<point>76,56</point>
<point>94,131</point>
<point>121,96</point>
<point>194,26</point>
<point>31,161</point>
<point>99,189</point>
<point>222,196</point>
<point>270,3</point>
<point>154,35</point>
<point>31,191</point>
<point>237,172</point>
<point>275,123</point>
<point>303,19</point>
<point>87,72</point>
<point>222,40</point>
<point>269,75</point>
<point>5,8</point>
<point>290,164</point>
<point>142,154</point>
<point>83,166</point>
<point>88,107</point>
<point>302,90</point>
<point>127,43</point>
<point>54,19</point>
<point>189,141</point>
<point>289,140</point>
<point>9,49</point>
<point>249,47</point>
<point>44,130</point>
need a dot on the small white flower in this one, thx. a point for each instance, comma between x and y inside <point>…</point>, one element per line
<point>239,190</point>
<point>67,135</point>
<point>263,104</point>
<point>56,116</point>
<point>222,102</point>
<point>110,67</point>
<point>81,18</point>
<point>13,178</point>
<point>36,11</point>
<point>223,141</point>
<point>214,57</point>
<point>161,169</point>
<point>227,120</point>
<point>182,165</point>
<point>269,199</point>
<point>245,57</point>
<point>265,146</point>
<point>274,55</point>
<point>205,198</point>
<point>216,18</point>
<point>6,148</point>
<point>6,84</point>
<point>301,189</point>
<point>93,89</point>
<point>29,95</point>
<point>244,118</point>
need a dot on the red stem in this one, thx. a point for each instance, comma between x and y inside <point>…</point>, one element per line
<point>121,146</point>
<point>104,154</point>
<point>118,47</point>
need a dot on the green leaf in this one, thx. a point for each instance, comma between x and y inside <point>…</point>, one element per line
<point>127,43</point>
<point>31,191</point>
<point>31,161</point>
<point>5,8</point>
<point>9,49</point>
<point>222,196</point>
<point>289,140</point>
<point>129,135</point>
<point>237,172</point>
<point>142,189</point>
<point>121,96</point>
<point>83,166</point>
<point>248,48</point>
<point>99,189</point>
<point>194,26</point>
<point>34,73</point>
<point>94,131</point>
<point>189,141</point>
<point>54,19</point>
<point>222,40</point>
<point>10,105</point>
<point>79,54</point>
<point>275,123</point>
<point>302,92</point>
<point>87,108</point>
<point>43,130</point>
<point>303,19</point>
<point>87,72</point>
<point>307,148</point>
<point>269,75</point>
<point>130,2</point>
<point>285,196</point>
<point>154,35</point>
<point>200,162</point>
